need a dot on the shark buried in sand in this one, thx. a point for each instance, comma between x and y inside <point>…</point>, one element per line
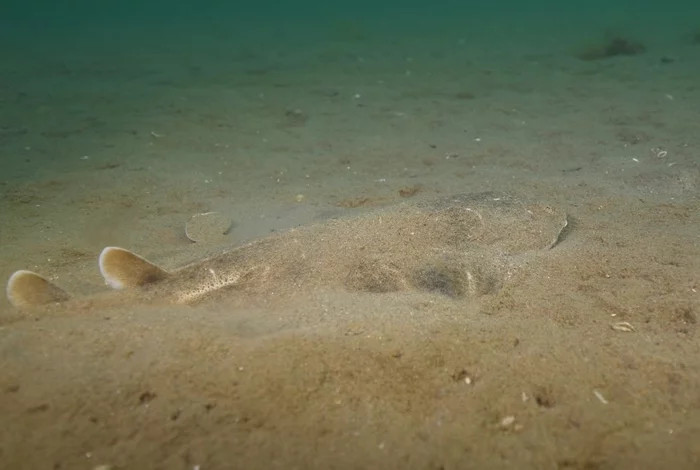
<point>460,246</point>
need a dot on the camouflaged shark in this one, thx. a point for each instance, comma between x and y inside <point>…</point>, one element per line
<point>458,246</point>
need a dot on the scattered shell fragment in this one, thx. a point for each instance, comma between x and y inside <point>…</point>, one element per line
<point>623,326</point>
<point>207,227</point>
<point>600,397</point>
<point>507,421</point>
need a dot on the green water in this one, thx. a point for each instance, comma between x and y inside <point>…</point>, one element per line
<point>502,22</point>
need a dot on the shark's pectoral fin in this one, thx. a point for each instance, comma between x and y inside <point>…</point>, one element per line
<point>122,268</point>
<point>27,289</point>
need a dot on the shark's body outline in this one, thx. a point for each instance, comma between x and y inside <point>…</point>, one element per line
<point>452,223</point>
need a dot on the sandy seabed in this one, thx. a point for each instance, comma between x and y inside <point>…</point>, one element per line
<point>586,356</point>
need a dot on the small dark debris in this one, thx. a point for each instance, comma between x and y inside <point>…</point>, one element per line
<point>175,415</point>
<point>146,397</point>
<point>544,398</point>
<point>38,409</point>
<point>613,47</point>
<point>210,406</point>
<point>461,375</point>
<point>109,166</point>
<point>328,93</point>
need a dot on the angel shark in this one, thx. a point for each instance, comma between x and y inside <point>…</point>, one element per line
<point>460,246</point>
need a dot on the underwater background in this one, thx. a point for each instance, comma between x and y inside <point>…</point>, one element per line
<point>462,234</point>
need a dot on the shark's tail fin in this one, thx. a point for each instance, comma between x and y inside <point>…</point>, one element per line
<point>123,269</point>
<point>27,289</point>
<point>120,268</point>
